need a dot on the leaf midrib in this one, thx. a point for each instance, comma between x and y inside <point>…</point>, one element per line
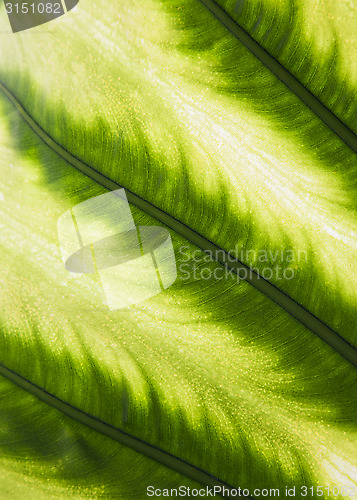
<point>308,98</point>
<point>177,464</point>
<point>327,334</point>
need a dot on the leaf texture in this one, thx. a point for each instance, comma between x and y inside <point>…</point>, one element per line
<point>159,103</point>
<point>316,41</point>
<point>210,371</point>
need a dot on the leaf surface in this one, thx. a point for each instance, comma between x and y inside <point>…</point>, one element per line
<point>211,371</point>
<point>189,120</point>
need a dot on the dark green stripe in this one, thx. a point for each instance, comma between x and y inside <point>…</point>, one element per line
<point>331,120</point>
<point>122,437</point>
<point>326,333</point>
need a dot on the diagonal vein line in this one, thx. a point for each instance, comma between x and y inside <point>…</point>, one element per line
<point>325,114</point>
<point>327,334</point>
<point>163,457</point>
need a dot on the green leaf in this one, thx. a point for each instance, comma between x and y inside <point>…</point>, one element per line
<point>236,155</point>
<point>211,372</point>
